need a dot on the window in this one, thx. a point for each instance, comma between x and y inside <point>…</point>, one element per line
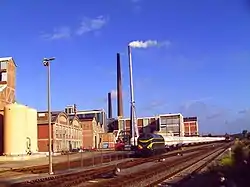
<point>41,114</point>
<point>3,76</point>
<point>3,65</point>
<point>66,110</point>
<point>145,122</point>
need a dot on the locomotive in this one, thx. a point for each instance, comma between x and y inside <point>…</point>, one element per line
<point>150,144</point>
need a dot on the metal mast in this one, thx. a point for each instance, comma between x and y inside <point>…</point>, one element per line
<point>133,120</point>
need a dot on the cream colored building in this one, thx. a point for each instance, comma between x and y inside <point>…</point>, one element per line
<point>20,130</point>
<point>66,135</point>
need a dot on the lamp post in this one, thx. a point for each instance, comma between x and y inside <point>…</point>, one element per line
<point>46,62</point>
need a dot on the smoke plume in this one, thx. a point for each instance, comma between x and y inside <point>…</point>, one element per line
<point>146,44</point>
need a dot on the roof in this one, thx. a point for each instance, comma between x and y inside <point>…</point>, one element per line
<point>71,118</point>
<point>54,116</point>
<point>8,59</point>
<point>170,114</point>
<point>193,118</point>
<point>90,111</point>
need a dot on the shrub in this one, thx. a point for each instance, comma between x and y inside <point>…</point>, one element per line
<point>227,161</point>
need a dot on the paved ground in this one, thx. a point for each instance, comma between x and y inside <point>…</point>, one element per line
<point>45,160</point>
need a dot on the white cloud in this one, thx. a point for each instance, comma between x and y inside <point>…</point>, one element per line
<point>89,25</point>
<point>148,43</point>
<point>58,33</point>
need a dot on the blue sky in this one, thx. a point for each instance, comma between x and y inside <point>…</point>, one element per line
<point>203,70</point>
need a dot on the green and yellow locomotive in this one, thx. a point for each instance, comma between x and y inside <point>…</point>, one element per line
<point>150,144</point>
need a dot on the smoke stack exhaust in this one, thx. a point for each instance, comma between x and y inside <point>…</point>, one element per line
<point>119,88</point>
<point>109,105</point>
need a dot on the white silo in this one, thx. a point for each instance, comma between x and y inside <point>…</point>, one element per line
<point>14,129</point>
<point>31,130</point>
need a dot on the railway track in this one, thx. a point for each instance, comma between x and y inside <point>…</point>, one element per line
<point>158,172</point>
<point>76,178</point>
<point>183,175</point>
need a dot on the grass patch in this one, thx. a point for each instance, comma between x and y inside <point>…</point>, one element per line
<point>227,161</point>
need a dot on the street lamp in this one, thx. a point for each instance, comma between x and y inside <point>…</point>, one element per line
<point>46,62</point>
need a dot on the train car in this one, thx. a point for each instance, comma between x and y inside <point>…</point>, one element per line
<point>150,144</point>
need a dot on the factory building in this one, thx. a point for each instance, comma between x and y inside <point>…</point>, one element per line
<point>191,126</point>
<point>99,115</point>
<point>7,91</point>
<point>66,132</point>
<point>145,124</point>
<point>20,130</point>
<point>7,81</point>
<point>171,124</point>
<point>93,124</point>
<point>91,131</point>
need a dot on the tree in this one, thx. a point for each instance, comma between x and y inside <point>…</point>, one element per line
<point>244,133</point>
<point>248,135</point>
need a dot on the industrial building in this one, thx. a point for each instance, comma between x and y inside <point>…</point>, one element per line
<point>7,81</point>
<point>20,130</point>
<point>171,124</point>
<point>145,124</point>
<point>99,115</point>
<point>66,132</point>
<point>93,124</point>
<point>167,124</point>
<point>91,131</point>
<point>191,126</point>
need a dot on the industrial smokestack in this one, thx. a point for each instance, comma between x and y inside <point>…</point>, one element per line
<point>119,88</point>
<point>109,105</point>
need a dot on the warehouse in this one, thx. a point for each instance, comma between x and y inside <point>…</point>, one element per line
<point>66,132</point>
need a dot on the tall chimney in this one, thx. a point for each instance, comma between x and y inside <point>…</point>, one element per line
<point>109,105</point>
<point>119,88</point>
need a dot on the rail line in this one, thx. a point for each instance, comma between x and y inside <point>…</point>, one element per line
<point>156,173</point>
<point>83,176</point>
<point>185,175</point>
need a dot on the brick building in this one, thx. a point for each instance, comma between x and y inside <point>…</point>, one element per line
<point>7,90</point>
<point>66,132</point>
<point>93,123</point>
<point>191,126</point>
<point>91,133</point>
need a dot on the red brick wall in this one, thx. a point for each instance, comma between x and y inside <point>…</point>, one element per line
<point>87,134</point>
<point>43,131</point>
<point>43,145</point>
<point>42,136</point>
<point>192,126</point>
